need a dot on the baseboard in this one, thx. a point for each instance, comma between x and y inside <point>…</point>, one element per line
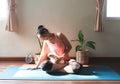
<point>91,59</point>
<point>12,58</point>
<point>104,58</point>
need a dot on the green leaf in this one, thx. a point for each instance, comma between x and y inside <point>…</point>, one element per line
<point>90,44</point>
<point>81,37</point>
<point>40,43</point>
<point>75,40</point>
<point>78,48</point>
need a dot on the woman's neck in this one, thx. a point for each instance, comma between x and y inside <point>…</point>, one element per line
<point>52,38</point>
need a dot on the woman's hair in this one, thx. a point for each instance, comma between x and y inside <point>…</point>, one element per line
<point>42,30</point>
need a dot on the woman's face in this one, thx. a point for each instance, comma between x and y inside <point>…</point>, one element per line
<point>44,36</point>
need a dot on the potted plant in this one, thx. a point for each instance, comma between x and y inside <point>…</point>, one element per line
<point>82,50</point>
<point>37,55</point>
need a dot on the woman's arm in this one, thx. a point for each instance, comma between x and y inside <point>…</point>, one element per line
<point>43,55</point>
<point>68,46</point>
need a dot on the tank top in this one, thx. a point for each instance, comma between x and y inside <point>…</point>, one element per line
<point>56,48</point>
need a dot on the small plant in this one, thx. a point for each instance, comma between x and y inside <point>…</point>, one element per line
<point>40,44</point>
<point>84,44</point>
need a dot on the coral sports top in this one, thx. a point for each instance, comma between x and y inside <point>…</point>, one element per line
<point>57,48</point>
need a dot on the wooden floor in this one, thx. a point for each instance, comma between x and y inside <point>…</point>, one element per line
<point>114,64</point>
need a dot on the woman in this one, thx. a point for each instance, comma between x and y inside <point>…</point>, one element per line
<point>56,47</point>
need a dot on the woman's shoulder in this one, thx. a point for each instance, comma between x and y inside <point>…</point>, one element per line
<point>59,34</point>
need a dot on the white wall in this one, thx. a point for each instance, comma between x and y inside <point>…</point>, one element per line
<point>67,16</point>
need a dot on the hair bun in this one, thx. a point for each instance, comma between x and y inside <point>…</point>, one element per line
<point>40,26</point>
<point>41,30</point>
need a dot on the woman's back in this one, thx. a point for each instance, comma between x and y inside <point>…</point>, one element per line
<point>58,47</point>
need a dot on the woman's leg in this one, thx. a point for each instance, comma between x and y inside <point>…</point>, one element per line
<point>48,66</point>
<point>72,67</point>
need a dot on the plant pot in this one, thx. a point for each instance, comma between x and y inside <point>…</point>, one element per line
<point>82,57</point>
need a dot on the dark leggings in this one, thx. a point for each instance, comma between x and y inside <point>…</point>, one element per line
<point>47,66</point>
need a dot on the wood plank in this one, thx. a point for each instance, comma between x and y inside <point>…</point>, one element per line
<point>5,64</point>
<point>56,82</point>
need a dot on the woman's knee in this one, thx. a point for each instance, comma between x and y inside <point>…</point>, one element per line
<point>76,66</point>
<point>46,65</point>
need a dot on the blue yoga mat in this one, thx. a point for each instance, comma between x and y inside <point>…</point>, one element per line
<point>87,73</point>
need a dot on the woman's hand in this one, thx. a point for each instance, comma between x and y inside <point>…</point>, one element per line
<point>60,60</point>
<point>59,57</point>
<point>32,68</point>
